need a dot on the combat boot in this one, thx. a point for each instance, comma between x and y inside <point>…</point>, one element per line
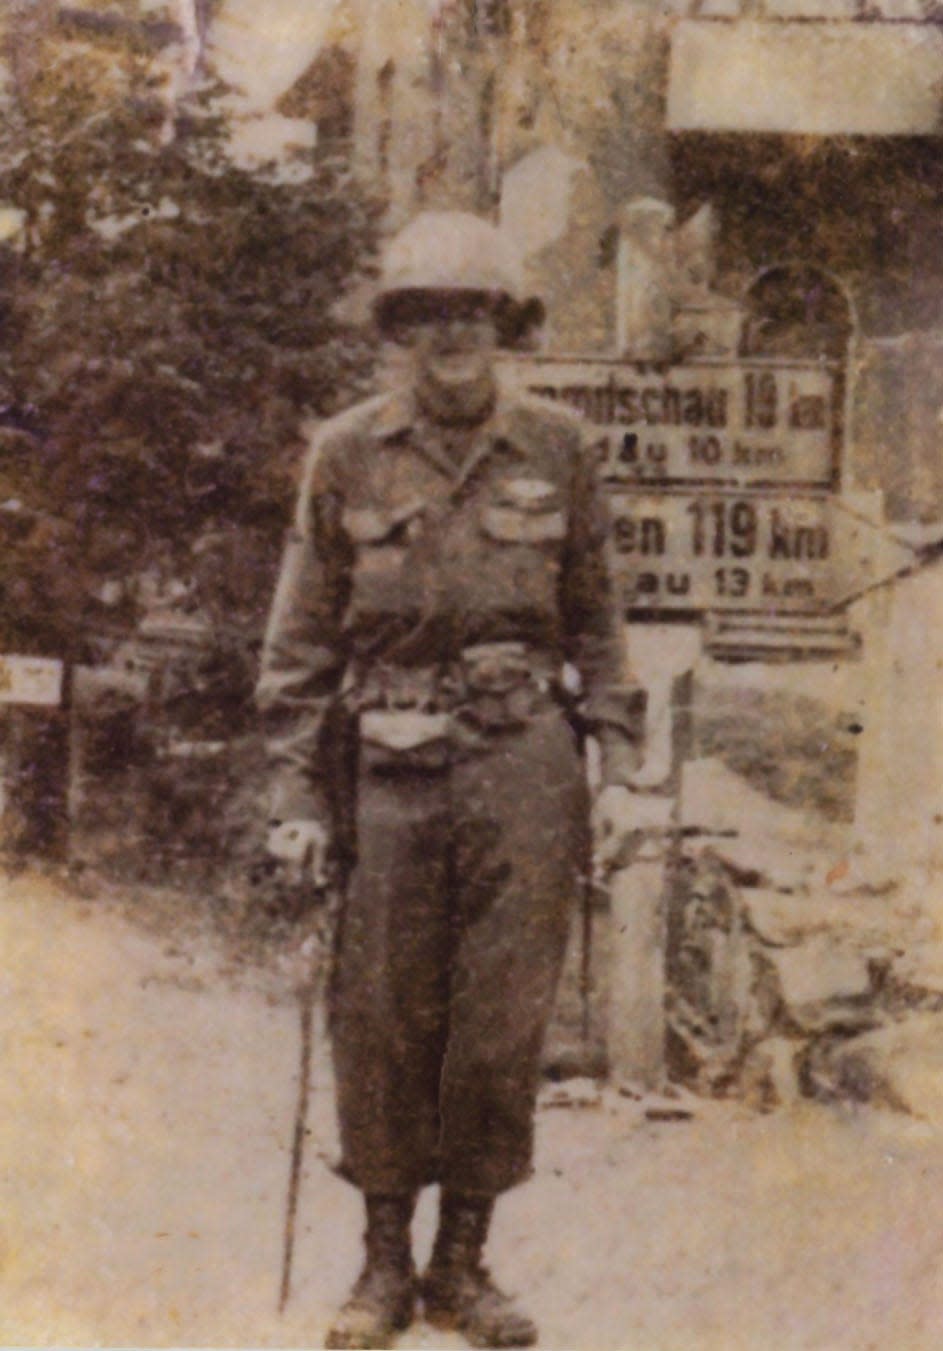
<point>457,1290</point>
<point>382,1301</point>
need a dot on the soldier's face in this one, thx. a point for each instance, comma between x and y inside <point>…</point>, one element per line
<point>454,341</point>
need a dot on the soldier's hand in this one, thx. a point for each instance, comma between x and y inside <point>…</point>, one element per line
<point>611,823</point>
<point>301,848</point>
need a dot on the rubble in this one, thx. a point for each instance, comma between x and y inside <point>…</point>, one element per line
<point>898,1066</point>
<point>782,919</point>
<point>916,979</point>
<point>821,987</point>
<point>769,1077</point>
<point>578,1093</point>
<point>672,1104</point>
<point>772,999</point>
<point>708,974</point>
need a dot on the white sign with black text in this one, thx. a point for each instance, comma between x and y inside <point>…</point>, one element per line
<point>30,680</point>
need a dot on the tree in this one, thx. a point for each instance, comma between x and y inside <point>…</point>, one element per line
<point>173,323</point>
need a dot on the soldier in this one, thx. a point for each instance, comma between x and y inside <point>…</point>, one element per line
<point>443,594</point>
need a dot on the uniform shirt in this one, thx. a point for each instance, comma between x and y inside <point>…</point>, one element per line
<point>405,551</point>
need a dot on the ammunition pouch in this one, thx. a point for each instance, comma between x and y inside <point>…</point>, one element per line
<point>402,738</point>
<point>411,716</point>
<point>505,684</point>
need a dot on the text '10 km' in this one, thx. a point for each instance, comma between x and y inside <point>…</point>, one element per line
<point>729,423</point>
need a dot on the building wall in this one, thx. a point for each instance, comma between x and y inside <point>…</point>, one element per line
<point>869,210</point>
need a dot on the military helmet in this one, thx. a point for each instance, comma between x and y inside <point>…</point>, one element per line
<point>455,253</point>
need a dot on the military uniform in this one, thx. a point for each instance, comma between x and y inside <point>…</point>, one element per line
<point>439,586</point>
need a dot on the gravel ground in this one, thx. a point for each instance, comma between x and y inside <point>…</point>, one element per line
<point>144,1138</point>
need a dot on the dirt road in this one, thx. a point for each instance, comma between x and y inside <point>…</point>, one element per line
<point>148,1098</point>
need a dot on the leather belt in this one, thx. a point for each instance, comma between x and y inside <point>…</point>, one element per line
<point>488,687</point>
<point>484,669</point>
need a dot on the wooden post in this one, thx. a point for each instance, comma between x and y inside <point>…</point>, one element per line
<point>897,833</point>
<point>663,657</point>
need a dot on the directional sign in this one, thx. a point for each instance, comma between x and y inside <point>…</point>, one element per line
<point>30,680</point>
<point>724,481</point>
<point>868,554</point>
<point>746,552</point>
<point>717,424</point>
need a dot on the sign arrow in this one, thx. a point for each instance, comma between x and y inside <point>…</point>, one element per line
<point>867,555</point>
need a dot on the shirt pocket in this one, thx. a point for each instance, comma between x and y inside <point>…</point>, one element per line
<point>521,545</point>
<point>403,740</point>
<point>516,525</point>
<point>525,512</point>
<point>381,540</point>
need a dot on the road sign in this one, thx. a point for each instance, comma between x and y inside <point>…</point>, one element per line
<point>30,680</point>
<point>746,552</point>
<point>724,479</point>
<point>707,423</point>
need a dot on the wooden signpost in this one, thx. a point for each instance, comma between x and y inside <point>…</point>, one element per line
<point>735,532</point>
<point>32,697</point>
<point>727,485</point>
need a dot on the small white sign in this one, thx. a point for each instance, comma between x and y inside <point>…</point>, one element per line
<point>30,680</point>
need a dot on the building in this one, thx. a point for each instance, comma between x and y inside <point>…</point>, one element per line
<point>810,126</point>
<point>821,145</point>
<point>817,148</point>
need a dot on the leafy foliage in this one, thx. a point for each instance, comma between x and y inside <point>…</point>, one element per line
<point>171,324</point>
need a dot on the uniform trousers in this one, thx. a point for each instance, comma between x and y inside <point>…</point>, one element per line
<point>449,950</point>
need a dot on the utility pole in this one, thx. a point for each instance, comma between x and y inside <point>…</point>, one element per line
<point>490,32</point>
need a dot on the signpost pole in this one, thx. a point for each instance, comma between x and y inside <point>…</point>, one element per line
<point>663,657</point>
<point>730,506</point>
<point>31,698</point>
<point>899,800</point>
